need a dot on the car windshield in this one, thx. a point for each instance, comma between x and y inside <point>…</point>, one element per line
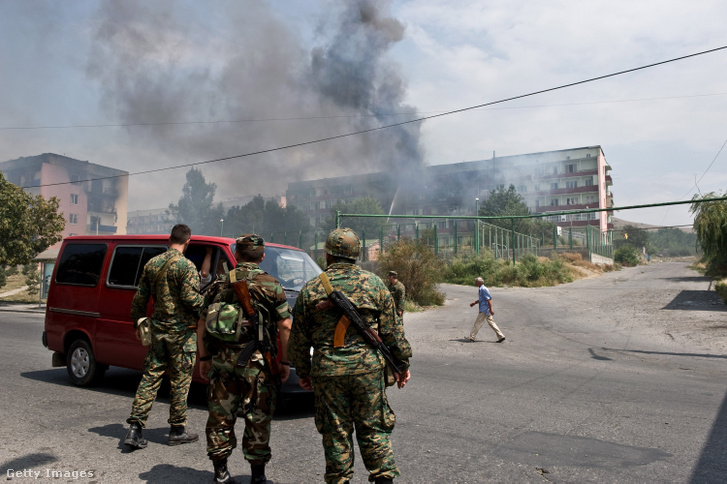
<point>292,268</point>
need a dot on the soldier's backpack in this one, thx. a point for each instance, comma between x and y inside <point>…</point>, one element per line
<point>235,320</point>
<point>226,322</point>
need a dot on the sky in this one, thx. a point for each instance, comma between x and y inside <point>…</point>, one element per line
<point>154,87</point>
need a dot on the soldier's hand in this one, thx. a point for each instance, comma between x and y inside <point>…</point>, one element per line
<point>204,369</point>
<point>284,372</point>
<point>403,378</point>
<point>306,383</point>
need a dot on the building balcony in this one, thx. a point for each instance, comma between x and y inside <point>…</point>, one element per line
<point>568,175</point>
<point>102,229</point>
<point>565,208</point>
<point>565,191</point>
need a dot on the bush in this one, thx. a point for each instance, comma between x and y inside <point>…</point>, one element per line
<point>626,255</point>
<point>721,288</point>
<point>3,276</point>
<point>419,270</point>
<point>465,269</point>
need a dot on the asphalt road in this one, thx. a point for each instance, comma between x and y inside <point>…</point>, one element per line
<point>619,378</point>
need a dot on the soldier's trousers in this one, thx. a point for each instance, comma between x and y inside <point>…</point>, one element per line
<point>348,403</point>
<point>176,352</point>
<point>249,392</point>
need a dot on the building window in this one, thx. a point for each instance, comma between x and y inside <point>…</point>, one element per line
<point>554,186</point>
<point>554,202</point>
<point>73,218</point>
<point>571,184</point>
<point>570,168</point>
<point>589,181</point>
<point>74,199</point>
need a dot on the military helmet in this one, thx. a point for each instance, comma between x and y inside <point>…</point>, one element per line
<point>344,243</point>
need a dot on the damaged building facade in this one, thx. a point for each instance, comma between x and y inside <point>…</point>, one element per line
<point>549,182</point>
<point>92,198</point>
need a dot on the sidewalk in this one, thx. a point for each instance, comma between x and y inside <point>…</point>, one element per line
<point>22,307</point>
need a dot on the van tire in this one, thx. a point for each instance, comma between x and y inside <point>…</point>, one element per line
<point>81,364</point>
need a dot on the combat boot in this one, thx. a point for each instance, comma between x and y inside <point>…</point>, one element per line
<point>258,474</point>
<point>134,438</point>
<point>384,480</point>
<point>179,435</point>
<point>222,475</point>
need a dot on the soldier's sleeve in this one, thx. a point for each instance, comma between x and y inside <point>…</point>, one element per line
<point>282,308</point>
<point>189,293</point>
<point>391,329</point>
<point>300,340</point>
<point>141,298</point>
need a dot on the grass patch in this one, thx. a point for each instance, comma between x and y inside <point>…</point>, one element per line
<point>16,281</point>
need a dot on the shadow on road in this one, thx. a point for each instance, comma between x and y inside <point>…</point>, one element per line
<point>28,461</point>
<point>669,353</point>
<point>122,382</point>
<point>712,464</point>
<point>697,301</point>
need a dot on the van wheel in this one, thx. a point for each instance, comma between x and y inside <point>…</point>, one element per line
<point>81,364</point>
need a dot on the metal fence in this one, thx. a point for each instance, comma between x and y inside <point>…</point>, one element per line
<point>450,236</point>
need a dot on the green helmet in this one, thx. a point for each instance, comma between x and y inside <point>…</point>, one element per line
<point>344,243</point>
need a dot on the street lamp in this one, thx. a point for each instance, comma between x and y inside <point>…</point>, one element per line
<point>222,225</point>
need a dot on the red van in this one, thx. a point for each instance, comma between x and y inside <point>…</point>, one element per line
<point>88,312</point>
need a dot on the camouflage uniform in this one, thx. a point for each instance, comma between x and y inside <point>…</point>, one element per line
<point>398,292</point>
<point>177,302</point>
<point>250,391</point>
<point>349,381</point>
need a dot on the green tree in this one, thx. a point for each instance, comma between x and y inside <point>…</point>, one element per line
<point>32,278</point>
<point>195,207</point>
<point>364,205</point>
<point>504,202</point>
<point>28,224</point>
<point>710,225</point>
<point>631,235</point>
<point>265,218</point>
<point>673,242</point>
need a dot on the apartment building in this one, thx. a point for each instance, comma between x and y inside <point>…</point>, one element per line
<point>92,198</point>
<point>549,182</point>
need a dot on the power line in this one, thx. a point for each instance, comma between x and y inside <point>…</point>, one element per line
<point>416,120</point>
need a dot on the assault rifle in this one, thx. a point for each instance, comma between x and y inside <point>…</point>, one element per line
<point>261,342</point>
<point>352,316</point>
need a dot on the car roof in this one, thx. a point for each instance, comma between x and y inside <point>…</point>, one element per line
<point>163,238</point>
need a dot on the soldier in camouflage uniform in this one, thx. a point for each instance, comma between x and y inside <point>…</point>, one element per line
<point>251,390</point>
<point>398,292</point>
<point>349,381</point>
<point>177,302</point>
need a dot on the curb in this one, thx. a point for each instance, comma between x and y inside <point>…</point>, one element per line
<point>13,308</point>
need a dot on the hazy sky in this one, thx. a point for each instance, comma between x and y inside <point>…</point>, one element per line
<point>143,85</point>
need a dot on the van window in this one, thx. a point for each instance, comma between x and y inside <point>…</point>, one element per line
<point>291,267</point>
<point>128,263</point>
<point>81,264</point>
